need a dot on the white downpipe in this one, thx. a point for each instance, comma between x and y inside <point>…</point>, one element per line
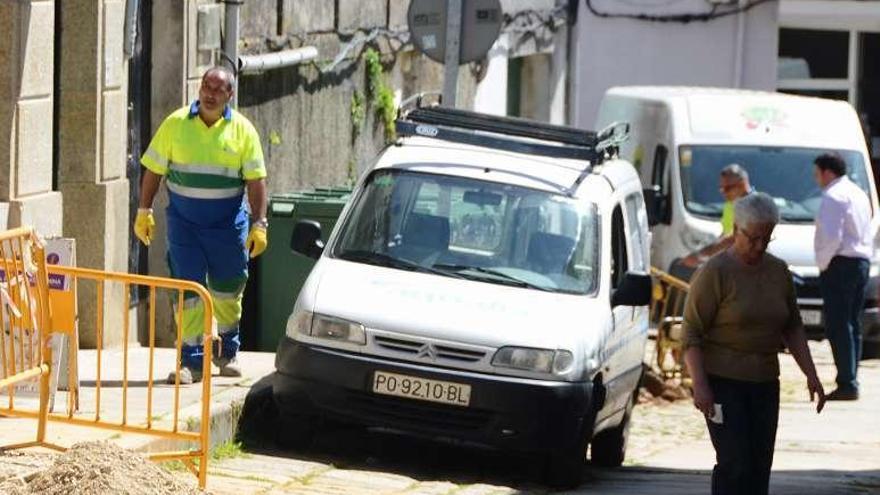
<point>251,64</point>
<point>739,57</point>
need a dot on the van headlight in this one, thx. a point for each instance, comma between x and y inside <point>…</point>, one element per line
<point>557,362</point>
<point>299,322</point>
<point>325,327</point>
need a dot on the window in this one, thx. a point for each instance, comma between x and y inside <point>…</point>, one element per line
<point>813,54</point>
<point>637,226</point>
<point>816,62</point>
<point>619,257</point>
<point>785,173</point>
<point>468,228</point>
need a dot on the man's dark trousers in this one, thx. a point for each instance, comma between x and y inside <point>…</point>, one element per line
<point>843,293</point>
<point>744,441</point>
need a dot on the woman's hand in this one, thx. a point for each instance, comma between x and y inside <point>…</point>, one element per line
<point>704,399</point>
<point>815,388</point>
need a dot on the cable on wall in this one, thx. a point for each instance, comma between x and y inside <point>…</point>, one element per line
<point>714,13</point>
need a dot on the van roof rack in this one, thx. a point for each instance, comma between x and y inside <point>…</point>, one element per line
<point>451,124</point>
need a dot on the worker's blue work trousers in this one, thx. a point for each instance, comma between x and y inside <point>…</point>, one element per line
<point>213,255</point>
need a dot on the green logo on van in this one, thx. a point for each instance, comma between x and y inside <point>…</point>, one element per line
<point>763,116</point>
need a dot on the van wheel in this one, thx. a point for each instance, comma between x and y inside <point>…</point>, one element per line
<point>296,431</point>
<point>609,447</point>
<point>564,468</point>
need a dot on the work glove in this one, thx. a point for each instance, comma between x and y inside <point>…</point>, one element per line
<point>144,224</point>
<point>256,241</point>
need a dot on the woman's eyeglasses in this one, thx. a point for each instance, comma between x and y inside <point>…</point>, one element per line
<point>757,240</point>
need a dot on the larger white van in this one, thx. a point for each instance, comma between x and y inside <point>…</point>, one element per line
<point>681,138</point>
<point>486,283</point>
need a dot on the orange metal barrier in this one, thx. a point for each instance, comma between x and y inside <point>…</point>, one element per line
<point>667,307</point>
<point>24,317</point>
<point>63,320</point>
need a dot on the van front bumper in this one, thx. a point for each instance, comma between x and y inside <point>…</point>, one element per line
<point>504,412</point>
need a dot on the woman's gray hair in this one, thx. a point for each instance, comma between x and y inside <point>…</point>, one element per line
<point>755,208</point>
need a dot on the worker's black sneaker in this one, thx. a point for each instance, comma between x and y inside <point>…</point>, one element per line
<point>843,394</point>
<point>187,376</point>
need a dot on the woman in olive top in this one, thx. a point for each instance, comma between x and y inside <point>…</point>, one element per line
<point>740,308</point>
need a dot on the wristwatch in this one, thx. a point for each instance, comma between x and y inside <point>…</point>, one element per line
<point>261,222</point>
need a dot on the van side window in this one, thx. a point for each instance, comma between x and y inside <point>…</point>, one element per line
<point>619,258</point>
<point>637,226</point>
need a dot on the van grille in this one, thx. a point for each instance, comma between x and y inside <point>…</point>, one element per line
<point>429,351</point>
<point>808,288</point>
<point>422,415</point>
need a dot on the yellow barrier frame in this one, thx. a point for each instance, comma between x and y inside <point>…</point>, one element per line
<point>41,366</point>
<point>667,307</point>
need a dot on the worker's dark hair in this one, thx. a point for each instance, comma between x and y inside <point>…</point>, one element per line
<point>228,75</point>
<point>832,162</point>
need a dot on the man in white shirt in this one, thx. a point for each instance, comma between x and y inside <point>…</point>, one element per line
<point>843,248</point>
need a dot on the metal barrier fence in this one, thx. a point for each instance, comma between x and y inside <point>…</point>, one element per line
<point>63,321</point>
<point>667,307</point>
<point>24,317</point>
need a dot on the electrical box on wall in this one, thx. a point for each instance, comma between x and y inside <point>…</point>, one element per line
<point>208,22</point>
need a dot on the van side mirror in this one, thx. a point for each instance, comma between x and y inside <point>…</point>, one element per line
<point>634,290</point>
<point>306,239</point>
<point>657,205</point>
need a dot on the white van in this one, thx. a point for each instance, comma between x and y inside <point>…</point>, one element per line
<point>681,138</point>
<point>486,283</point>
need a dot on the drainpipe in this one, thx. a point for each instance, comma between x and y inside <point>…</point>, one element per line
<point>739,56</point>
<point>130,35</point>
<point>251,64</point>
<point>230,41</point>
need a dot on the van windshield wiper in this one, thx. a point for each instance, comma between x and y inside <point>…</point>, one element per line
<point>505,278</point>
<point>382,259</point>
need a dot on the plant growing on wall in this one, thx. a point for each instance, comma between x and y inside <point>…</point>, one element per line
<point>381,95</point>
<point>358,114</point>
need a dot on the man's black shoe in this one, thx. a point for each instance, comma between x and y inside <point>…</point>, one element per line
<point>839,394</point>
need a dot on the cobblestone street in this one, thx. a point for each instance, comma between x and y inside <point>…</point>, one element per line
<point>669,453</point>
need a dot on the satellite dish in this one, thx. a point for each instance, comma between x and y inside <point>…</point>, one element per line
<point>480,25</point>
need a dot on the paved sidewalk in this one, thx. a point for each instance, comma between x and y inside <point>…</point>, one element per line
<point>227,397</point>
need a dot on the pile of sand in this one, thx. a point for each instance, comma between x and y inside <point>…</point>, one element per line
<point>658,390</point>
<point>99,468</point>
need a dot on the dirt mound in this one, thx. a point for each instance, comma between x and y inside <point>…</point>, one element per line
<point>99,468</point>
<point>658,390</point>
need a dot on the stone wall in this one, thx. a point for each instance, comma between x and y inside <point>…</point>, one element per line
<point>92,127</point>
<point>26,102</point>
<point>304,114</point>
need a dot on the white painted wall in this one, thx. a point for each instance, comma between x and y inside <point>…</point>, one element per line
<point>491,94</point>
<point>614,52</point>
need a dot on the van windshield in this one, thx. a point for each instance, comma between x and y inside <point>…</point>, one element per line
<point>473,229</point>
<point>785,173</point>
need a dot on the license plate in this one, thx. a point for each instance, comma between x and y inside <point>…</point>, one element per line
<point>811,317</point>
<point>413,387</point>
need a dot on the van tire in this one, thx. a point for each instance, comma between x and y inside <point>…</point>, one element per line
<point>564,468</point>
<point>608,448</point>
<point>296,431</point>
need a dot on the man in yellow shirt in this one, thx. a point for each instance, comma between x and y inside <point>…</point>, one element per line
<point>208,154</point>
<point>733,184</point>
